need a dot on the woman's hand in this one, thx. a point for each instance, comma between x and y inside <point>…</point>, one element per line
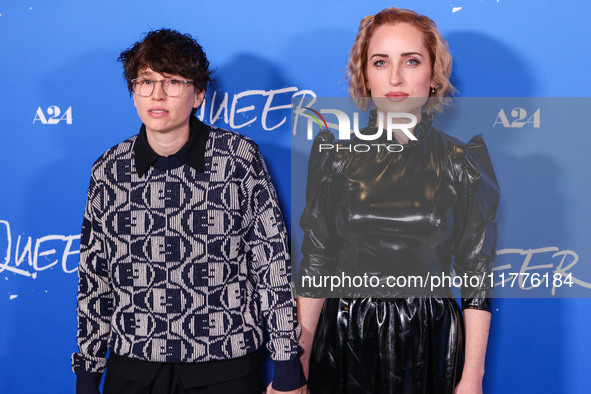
<point>305,360</point>
<point>301,390</point>
<point>476,323</point>
<point>308,314</point>
<point>468,386</point>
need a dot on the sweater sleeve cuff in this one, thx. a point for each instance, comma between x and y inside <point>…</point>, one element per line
<point>88,382</point>
<point>288,375</point>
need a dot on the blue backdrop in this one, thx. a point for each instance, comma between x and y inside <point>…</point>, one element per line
<point>64,102</point>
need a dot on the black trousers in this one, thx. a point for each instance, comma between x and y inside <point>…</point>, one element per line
<point>235,376</point>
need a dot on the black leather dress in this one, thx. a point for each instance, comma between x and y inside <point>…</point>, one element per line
<point>382,213</point>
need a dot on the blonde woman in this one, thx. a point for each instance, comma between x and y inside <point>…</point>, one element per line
<point>420,211</point>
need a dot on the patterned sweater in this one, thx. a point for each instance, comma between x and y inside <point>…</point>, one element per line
<point>181,265</point>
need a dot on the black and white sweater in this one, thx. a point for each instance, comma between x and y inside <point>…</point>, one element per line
<point>182,264</point>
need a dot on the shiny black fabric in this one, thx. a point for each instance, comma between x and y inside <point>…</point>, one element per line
<point>374,346</point>
<point>381,213</point>
<point>408,213</point>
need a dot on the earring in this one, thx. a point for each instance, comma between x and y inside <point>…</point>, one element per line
<point>433,91</point>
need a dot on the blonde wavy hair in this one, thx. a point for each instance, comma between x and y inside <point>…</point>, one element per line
<point>441,60</point>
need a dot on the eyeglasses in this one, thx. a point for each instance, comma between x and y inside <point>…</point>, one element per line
<point>172,87</point>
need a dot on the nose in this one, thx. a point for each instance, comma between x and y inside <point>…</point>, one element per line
<point>396,77</point>
<point>158,93</point>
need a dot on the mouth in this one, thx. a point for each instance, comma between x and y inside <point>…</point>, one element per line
<point>396,96</point>
<point>157,112</point>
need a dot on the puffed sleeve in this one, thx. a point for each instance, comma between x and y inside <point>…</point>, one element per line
<point>478,198</point>
<point>320,245</point>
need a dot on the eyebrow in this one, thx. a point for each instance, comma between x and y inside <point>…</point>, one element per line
<point>401,55</point>
<point>145,75</point>
<point>150,73</point>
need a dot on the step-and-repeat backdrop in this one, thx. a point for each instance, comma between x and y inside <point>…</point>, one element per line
<point>63,102</point>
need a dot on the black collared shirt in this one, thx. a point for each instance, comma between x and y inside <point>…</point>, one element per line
<point>191,153</point>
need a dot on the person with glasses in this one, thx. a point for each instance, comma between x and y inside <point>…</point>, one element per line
<point>184,261</point>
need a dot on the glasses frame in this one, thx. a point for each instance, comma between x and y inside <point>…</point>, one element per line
<point>162,81</point>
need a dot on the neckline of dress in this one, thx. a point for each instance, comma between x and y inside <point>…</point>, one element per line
<point>419,131</point>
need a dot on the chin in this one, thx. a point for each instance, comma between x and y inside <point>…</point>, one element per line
<point>411,105</point>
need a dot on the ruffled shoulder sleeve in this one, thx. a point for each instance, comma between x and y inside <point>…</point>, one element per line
<point>478,196</point>
<point>320,245</point>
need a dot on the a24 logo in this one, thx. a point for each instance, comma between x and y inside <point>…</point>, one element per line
<point>519,118</point>
<point>54,115</point>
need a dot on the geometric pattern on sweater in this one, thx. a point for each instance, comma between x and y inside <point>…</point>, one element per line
<point>181,265</point>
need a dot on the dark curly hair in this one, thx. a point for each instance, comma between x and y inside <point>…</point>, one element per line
<point>167,51</point>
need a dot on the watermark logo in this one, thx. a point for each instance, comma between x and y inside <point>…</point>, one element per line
<point>519,118</point>
<point>53,116</point>
<point>391,120</point>
<point>314,118</point>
